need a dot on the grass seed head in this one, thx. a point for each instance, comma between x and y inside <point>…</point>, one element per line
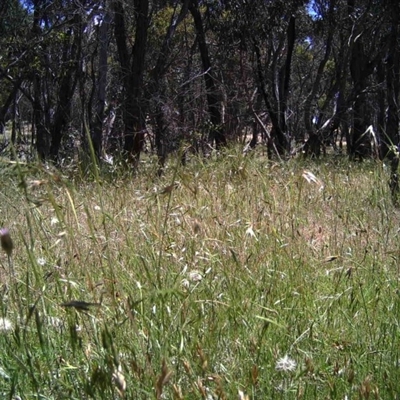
<point>6,242</point>
<point>119,381</point>
<point>163,379</point>
<point>243,396</point>
<point>5,325</point>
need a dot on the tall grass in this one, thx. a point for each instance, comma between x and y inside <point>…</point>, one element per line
<point>224,279</point>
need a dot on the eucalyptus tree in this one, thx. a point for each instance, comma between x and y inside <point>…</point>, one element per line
<point>365,40</point>
<point>213,96</point>
<point>58,34</point>
<point>103,20</point>
<point>132,59</point>
<point>321,41</point>
<point>349,81</point>
<point>267,29</point>
<point>391,139</point>
<point>14,25</point>
<point>159,92</point>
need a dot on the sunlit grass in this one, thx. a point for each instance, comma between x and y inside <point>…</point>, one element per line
<point>228,278</point>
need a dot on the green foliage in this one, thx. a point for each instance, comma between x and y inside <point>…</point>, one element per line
<point>226,277</point>
<point>13,20</point>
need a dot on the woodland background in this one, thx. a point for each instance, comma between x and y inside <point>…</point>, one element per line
<point>157,75</point>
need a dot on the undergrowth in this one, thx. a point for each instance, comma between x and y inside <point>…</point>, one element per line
<point>227,278</point>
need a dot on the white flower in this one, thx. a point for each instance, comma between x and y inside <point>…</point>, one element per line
<point>109,159</point>
<point>5,325</point>
<point>286,364</point>
<point>54,221</point>
<point>195,276</point>
<point>4,374</point>
<point>41,261</point>
<point>56,323</point>
<point>185,283</point>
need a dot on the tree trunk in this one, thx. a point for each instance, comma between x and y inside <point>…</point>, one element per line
<point>134,117</point>
<point>361,67</point>
<point>40,118</point>
<point>280,82</point>
<point>157,88</point>
<point>277,142</point>
<point>360,142</point>
<point>132,75</point>
<point>97,130</point>
<point>392,91</point>
<point>316,84</point>
<point>71,57</point>
<point>284,80</point>
<point>7,104</point>
<point>381,111</point>
<point>217,132</point>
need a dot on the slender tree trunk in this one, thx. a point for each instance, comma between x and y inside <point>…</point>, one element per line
<point>7,104</point>
<point>121,39</point>
<point>97,130</point>
<point>381,112</point>
<point>360,144</point>
<point>217,132</point>
<point>41,129</point>
<point>392,91</point>
<point>311,96</point>
<point>132,75</point>
<point>71,55</point>
<point>277,105</point>
<point>361,67</point>
<point>134,117</point>
<point>277,142</point>
<point>284,75</point>
<point>157,87</point>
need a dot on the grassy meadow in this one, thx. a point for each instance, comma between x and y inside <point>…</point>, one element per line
<point>229,278</point>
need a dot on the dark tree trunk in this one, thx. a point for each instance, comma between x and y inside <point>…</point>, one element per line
<point>392,91</point>
<point>316,85</point>
<point>41,120</point>
<point>121,38</point>
<point>361,67</point>
<point>97,130</point>
<point>381,111</point>
<point>360,143</point>
<point>339,121</point>
<point>132,75</point>
<point>217,132</point>
<point>284,77</point>
<point>40,130</point>
<point>7,104</point>
<point>134,118</point>
<point>277,142</point>
<point>157,87</point>
<point>71,59</point>
<point>277,106</point>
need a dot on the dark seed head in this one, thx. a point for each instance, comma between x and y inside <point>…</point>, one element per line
<point>6,242</point>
